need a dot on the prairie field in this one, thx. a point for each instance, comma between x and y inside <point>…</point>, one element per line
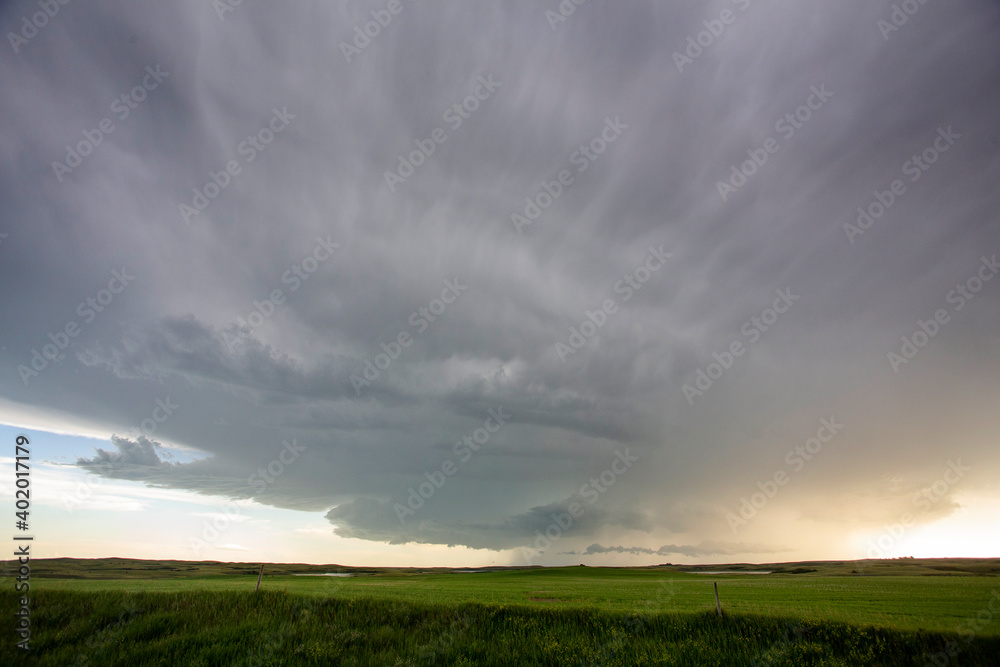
<point>116,612</point>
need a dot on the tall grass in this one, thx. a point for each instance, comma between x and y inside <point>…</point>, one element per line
<point>278,628</point>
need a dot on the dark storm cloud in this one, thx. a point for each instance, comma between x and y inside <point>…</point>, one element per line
<point>279,148</point>
<point>692,551</point>
<point>372,520</point>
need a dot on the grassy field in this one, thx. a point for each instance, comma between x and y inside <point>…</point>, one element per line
<point>112,612</point>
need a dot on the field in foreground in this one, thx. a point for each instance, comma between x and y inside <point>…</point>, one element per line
<point>277,628</point>
<point>206,614</point>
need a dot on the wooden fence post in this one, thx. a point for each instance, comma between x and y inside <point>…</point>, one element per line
<point>261,574</point>
<point>718,605</point>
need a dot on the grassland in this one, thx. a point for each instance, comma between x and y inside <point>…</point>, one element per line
<point>119,612</point>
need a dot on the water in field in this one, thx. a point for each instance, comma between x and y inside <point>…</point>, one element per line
<point>324,574</point>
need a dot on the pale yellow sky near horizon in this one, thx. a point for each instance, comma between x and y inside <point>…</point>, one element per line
<point>157,523</point>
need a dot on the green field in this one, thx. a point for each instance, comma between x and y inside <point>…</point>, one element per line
<point>112,612</point>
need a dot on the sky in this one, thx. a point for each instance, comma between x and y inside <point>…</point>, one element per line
<point>511,283</point>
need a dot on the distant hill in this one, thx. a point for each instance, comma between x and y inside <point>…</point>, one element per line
<point>131,568</point>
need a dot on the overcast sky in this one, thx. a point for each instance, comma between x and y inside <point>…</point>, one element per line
<point>464,283</point>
